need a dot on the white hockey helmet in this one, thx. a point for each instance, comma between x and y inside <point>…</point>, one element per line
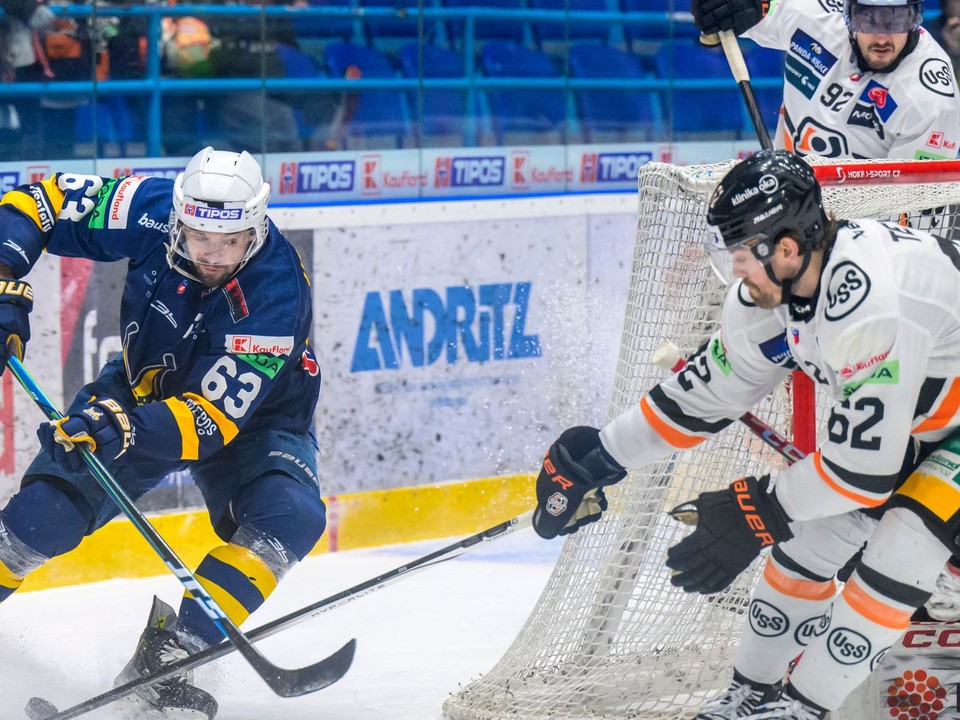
<point>218,192</point>
<point>883,16</point>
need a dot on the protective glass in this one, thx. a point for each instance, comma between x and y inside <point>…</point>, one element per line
<point>885,20</point>
<point>213,255</point>
<point>731,262</point>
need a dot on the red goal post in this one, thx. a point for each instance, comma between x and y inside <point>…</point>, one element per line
<point>609,636</point>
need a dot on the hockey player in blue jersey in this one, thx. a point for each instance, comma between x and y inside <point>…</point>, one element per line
<point>216,375</point>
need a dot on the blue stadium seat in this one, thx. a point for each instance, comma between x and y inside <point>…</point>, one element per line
<point>521,110</point>
<point>443,111</point>
<point>108,121</point>
<point>704,112</point>
<point>487,29</point>
<point>765,64</point>
<point>550,31</point>
<point>627,114</point>
<point>646,33</point>
<point>372,112</point>
<point>298,64</point>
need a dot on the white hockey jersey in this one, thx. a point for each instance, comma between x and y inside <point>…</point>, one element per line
<point>882,336</point>
<point>831,108</point>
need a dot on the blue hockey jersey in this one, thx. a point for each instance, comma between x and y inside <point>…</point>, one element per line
<point>203,365</point>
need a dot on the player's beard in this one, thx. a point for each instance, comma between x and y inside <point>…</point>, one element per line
<point>765,299</point>
<point>884,61</point>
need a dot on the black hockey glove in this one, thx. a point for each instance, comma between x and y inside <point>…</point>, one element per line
<point>733,526</point>
<point>712,16</point>
<point>102,425</point>
<point>571,480</point>
<point>16,302</point>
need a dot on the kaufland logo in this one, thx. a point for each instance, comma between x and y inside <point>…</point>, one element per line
<point>260,344</point>
<point>370,164</point>
<point>316,177</point>
<point>451,172</point>
<point>612,167</point>
<point>205,212</point>
<point>524,174</point>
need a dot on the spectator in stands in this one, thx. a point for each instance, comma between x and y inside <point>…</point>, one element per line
<point>946,31</point>
<point>893,96</point>
<point>258,121</point>
<point>22,60</point>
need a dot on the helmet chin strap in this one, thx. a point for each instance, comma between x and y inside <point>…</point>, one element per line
<point>786,285</point>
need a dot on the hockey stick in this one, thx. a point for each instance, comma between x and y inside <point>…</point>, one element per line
<point>274,626</point>
<point>284,682</point>
<point>731,50</point>
<point>668,357</point>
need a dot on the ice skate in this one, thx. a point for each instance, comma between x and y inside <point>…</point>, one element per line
<point>172,699</point>
<point>739,700</point>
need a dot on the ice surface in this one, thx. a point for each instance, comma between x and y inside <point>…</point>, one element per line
<point>417,640</point>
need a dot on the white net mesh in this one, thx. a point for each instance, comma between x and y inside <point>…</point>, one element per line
<point>610,637</point>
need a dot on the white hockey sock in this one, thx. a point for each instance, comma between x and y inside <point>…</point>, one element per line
<point>840,660</point>
<point>786,613</point>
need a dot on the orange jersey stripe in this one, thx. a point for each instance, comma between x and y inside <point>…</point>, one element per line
<point>944,412</point>
<point>798,587</point>
<point>861,499</point>
<point>874,610</point>
<point>667,432</point>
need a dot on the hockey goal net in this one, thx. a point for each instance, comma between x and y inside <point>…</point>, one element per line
<point>609,636</point>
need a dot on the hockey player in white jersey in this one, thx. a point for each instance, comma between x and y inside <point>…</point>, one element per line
<point>861,77</point>
<point>871,311</point>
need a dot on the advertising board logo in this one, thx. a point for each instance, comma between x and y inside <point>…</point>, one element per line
<point>322,176</point>
<point>612,167</point>
<point>519,162</point>
<point>288,178</point>
<point>370,165</point>
<point>478,324</point>
<point>169,173</point>
<point>453,172</point>
<point>36,173</point>
<point>9,180</point>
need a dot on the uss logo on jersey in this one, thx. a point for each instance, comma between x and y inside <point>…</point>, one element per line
<point>936,76</point>
<point>848,288</point>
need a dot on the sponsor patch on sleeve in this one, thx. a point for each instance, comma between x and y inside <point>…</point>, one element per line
<point>775,349</point>
<point>259,344</point>
<point>719,354</point>
<point>269,365</point>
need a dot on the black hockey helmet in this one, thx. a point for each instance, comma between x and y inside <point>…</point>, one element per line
<point>758,201</point>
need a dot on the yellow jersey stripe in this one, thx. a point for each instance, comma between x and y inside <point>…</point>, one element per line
<point>227,426</point>
<point>189,438</point>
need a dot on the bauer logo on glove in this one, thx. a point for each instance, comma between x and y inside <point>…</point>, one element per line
<point>99,425</point>
<point>732,527</point>
<point>569,486</point>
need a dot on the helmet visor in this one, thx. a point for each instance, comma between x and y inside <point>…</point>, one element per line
<point>213,256</point>
<point>883,20</point>
<point>739,260</point>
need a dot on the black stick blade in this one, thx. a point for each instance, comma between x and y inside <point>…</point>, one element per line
<point>303,681</point>
<point>39,709</point>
